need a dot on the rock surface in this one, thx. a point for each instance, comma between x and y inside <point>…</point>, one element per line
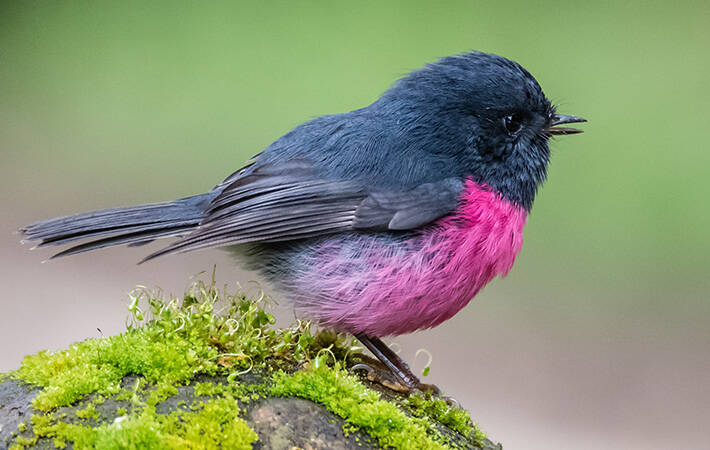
<point>284,423</point>
<point>15,398</point>
<point>281,423</point>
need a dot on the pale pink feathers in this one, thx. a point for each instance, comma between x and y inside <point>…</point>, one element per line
<point>382,287</point>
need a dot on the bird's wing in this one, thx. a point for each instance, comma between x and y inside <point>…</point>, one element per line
<point>408,210</point>
<point>290,201</point>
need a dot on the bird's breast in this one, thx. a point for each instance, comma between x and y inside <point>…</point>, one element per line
<point>379,286</point>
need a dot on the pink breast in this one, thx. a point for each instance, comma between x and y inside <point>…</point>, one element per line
<point>401,287</point>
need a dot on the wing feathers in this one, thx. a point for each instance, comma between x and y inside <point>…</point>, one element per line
<point>392,210</point>
<point>274,205</point>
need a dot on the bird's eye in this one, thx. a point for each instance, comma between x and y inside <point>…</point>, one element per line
<point>512,124</point>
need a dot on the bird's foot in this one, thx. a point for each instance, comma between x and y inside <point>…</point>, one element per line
<point>377,372</point>
<point>391,371</point>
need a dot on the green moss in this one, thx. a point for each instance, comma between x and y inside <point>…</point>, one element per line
<point>179,341</point>
<point>161,392</point>
<point>214,424</point>
<point>170,342</point>
<point>344,395</point>
<point>22,442</point>
<point>88,413</point>
<point>98,365</point>
<point>454,418</point>
<point>208,389</point>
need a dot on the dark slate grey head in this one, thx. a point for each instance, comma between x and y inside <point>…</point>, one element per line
<point>483,114</point>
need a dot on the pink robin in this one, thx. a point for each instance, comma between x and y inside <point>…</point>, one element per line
<point>376,222</point>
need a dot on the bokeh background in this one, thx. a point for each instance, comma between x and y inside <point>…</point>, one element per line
<point>599,337</point>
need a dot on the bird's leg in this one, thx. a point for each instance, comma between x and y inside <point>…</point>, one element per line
<point>408,381</point>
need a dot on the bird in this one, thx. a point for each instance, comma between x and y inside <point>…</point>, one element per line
<point>376,222</point>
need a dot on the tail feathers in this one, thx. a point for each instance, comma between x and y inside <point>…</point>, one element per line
<point>141,237</point>
<point>131,225</point>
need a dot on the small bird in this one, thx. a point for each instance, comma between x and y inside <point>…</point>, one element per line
<point>376,222</point>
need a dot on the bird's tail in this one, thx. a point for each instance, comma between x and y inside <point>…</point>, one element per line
<point>133,225</point>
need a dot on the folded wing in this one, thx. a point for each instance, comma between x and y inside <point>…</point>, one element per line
<point>292,201</point>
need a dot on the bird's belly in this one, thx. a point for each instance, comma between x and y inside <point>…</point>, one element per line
<point>380,286</point>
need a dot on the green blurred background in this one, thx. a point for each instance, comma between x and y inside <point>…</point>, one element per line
<point>599,337</point>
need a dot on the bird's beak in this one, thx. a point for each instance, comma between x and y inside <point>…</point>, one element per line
<point>560,119</point>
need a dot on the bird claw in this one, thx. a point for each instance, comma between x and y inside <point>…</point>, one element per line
<point>393,373</point>
<point>451,401</point>
<point>431,389</point>
<point>381,376</point>
<point>434,391</point>
<point>377,373</point>
<point>367,368</point>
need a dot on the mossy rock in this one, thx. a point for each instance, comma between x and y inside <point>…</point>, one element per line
<point>209,371</point>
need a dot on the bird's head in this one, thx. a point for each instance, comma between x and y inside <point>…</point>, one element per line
<point>485,115</point>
